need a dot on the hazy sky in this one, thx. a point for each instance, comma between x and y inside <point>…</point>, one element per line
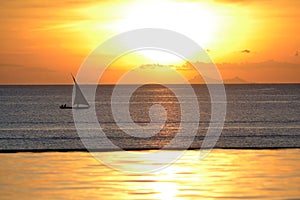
<point>42,42</point>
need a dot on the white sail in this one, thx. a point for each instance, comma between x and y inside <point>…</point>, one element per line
<point>79,99</point>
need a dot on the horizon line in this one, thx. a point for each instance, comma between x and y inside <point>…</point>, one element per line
<point>108,84</point>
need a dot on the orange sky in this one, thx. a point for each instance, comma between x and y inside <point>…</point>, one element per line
<point>42,42</point>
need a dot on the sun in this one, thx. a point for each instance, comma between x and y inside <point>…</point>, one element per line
<point>159,56</point>
<point>192,19</point>
<point>221,28</point>
<point>217,27</point>
<point>200,23</point>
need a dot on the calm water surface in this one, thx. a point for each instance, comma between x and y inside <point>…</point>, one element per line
<point>258,116</point>
<point>224,174</point>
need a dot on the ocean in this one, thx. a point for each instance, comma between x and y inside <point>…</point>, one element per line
<point>258,116</point>
<point>257,155</point>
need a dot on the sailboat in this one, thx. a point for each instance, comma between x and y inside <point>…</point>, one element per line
<point>79,102</point>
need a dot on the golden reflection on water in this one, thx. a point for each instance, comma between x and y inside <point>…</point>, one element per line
<point>224,173</point>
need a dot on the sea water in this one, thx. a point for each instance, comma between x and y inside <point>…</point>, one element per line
<point>256,157</point>
<point>258,116</point>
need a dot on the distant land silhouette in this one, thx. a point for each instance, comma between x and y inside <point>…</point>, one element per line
<point>236,80</point>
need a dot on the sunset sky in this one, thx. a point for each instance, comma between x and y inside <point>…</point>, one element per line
<point>42,42</point>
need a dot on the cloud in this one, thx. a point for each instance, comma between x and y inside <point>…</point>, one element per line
<point>46,4</point>
<point>12,66</point>
<point>50,11</point>
<point>153,73</point>
<point>155,66</point>
<point>199,80</point>
<point>246,51</point>
<point>269,64</point>
<point>269,71</point>
<point>232,1</point>
<point>9,65</point>
<point>239,1</point>
<point>206,67</point>
<point>185,67</point>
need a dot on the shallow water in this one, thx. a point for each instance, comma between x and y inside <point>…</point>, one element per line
<point>228,174</point>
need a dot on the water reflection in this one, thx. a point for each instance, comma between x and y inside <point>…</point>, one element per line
<point>223,174</point>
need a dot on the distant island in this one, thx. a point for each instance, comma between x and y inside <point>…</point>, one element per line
<point>236,80</point>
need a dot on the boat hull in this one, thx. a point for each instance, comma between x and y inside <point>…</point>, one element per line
<point>69,107</point>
